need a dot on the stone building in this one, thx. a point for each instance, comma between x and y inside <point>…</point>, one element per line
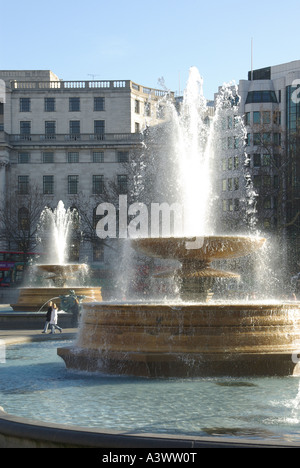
<point>68,139</point>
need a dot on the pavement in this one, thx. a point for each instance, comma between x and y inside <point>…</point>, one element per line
<point>26,334</point>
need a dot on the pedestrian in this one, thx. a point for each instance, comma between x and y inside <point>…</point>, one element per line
<point>48,317</point>
<point>53,320</point>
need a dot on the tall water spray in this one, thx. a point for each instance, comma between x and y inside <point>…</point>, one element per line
<point>193,152</point>
<point>55,230</point>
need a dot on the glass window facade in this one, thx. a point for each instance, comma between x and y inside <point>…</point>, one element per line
<point>261,96</point>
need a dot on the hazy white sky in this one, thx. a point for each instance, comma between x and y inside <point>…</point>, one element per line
<point>142,42</point>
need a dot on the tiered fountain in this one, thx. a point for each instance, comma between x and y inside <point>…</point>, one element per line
<point>63,276</point>
<point>192,336</point>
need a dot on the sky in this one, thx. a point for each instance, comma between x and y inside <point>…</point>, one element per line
<point>149,43</point>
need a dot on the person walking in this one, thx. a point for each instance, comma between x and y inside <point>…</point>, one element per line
<point>53,320</point>
<point>48,317</point>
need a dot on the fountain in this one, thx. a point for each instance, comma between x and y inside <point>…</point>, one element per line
<point>55,228</point>
<point>193,335</point>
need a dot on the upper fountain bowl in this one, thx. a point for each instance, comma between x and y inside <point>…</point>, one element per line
<point>205,249</point>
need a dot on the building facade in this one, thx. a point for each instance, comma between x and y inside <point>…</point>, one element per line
<point>69,139</point>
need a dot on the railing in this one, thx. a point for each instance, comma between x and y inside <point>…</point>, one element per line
<point>67,137</point>
<point>84,85</point>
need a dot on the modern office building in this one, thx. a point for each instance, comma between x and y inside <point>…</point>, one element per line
<point>270,106</point>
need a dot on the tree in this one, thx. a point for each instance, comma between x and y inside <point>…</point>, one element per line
<point>19,218</point>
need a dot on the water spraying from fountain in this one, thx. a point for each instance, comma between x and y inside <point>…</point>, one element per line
<point>193,336</point>
<point>57,274</point>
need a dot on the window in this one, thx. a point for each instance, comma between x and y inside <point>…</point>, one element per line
<point>277,139</point>
<point>48,158</point>
<point>224,185</point>
<point>247,119</point>
<point>230,164</point>
<point>75,128</point>
<point>224,205</point>
<point>25,128</point>
<point>256,117</point>
<point>256,139</point>
<point>98,184</point>
<point>236,183</point>
<point>24,104</point>
<point>137,127</point>
<point>256,181</point>
<point>267,203</point>
<point>266,138</point>
<point>23,185</point>
<point>49,104</point>
<point>230,142</point>
<point>74,104</point>
<point>248,139</point>
<point>137,106</point>
<point>236,162</point>
<point>148,109</point>
<point>23,219</point>
<point>23,158</point>
<point>236,202</point>
<point>98,253</point>
<point>266,160</point>
<point>229,184</point>
<point>73,157</point>
<point>73,184</point>
<point>122,184</point>
<point>256,160</point>
<point>267,181</point>
<point>48,184</point>
<point>230,204</point>
<point>50,128</point>
<point>123,156</point>
<point>99,129</point>
<point>98,157</point>
<point>266,117</point>
<point>99,104</point>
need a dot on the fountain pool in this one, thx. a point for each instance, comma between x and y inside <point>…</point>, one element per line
<point>35,384</point>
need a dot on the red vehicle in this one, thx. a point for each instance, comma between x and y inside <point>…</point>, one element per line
<point>12,265</point>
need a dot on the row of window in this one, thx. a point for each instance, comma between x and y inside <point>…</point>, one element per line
<point>231,163</point>
<point>73,184</point>
<point>263,138</point>
<point>231,204</point>
<point>264,160</point>
<point>50,127</point>
<point>230,184</point>
<point>50,104</point>
<point>261,96</point>
<point>74,105</point>
<point>73,157</point>
<point>263,117</point>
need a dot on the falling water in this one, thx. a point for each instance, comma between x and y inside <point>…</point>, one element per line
<point>55,230</point>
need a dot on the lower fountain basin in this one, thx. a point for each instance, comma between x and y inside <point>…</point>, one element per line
<point>187,340</point>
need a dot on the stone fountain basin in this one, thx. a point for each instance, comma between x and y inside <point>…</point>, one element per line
<point>187,340</point>
<point>62,270</point>
<point>206,249</point>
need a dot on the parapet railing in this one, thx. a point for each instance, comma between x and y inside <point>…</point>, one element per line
<point>85,85</point>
